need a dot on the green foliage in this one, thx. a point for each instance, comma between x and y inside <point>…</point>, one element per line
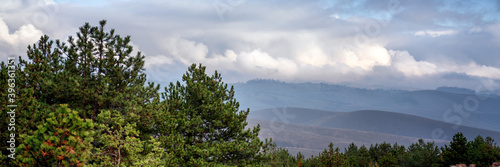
<point>483,151</point>
<point>423,154</point>
<point>90,73</point>
<point>389,160</point>
<point>277,156</point>
<point>64,139</point>
<point>457,152</point>
<point>200,124</point>
<point>480,151</point>
<point>119,144</point>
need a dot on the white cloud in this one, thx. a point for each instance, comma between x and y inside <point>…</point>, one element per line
<point>157,60</point>
<point>435,33</point>
<point>474,69</point>
<point>20,39</point>
<point>258,61</point>
<point>367,57</point>
<point>255,61</point>
<point>312,55</point>
<point>185,51</point>
<point>405,63</point>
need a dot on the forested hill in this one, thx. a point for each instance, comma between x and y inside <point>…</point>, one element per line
<point>444,104</point>
<point>371,121</point>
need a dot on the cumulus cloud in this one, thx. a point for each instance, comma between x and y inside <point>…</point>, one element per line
<point>405,63</point>
<point>432,33</point>
<point>255,61</point>
<point>19,39</point>
<point>262,62</point>
<point>157,60</point>
<point>289,40</point>
<point>474,69</point>
<point>367,57</point>
<point>185,51</point>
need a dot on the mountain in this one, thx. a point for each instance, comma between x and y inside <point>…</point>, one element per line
<point>456,90</point>
<point>372,121</point>
<point>310,140</point>
<point>446,104</point>
<point>310,131</point>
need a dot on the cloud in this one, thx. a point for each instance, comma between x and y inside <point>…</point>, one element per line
<point>474,69</point>
<point>435,33</point>
<point>255,61</point>
<point>405,63</point>
<point>185,51</point>
<point>19,39</point>
<point>287,40</point>
<point>367,57</point>
<point>157,60</point>
<point>262,62</point>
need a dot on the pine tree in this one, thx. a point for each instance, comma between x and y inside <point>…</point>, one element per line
<point>423,154</point>
<point>63,140</point>
<point>200,123</point>
<point>29,113</point>
<point>364,156</point>
<point>120,145</point>
<point>457,152</point>
<point>95,71</point>
<point>352,154</point>
<point>483,152</point>
<point>332,157</point>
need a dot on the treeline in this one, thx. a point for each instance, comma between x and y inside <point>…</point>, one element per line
<point>480,151</point>
<point>86,102</point>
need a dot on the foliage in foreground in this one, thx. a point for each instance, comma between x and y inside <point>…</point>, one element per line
<point>480,151</point>
<point>208,126</point>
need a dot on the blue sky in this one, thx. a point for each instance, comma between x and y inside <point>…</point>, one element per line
<point>408,44</point>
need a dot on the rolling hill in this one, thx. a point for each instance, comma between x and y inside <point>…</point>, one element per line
<point>452,105</point>
<point>310,140</point>
<point>372,121</point>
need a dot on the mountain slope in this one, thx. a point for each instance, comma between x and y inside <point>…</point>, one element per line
<point>432,104</point>
<point>310,140</point>
<point>372,121</point>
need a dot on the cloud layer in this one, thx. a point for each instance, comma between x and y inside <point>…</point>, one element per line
<point>390,44</point>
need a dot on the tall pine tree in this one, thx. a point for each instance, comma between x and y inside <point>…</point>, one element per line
<point>201,124</point>
<point>457,152</point>
<point>93,72</point>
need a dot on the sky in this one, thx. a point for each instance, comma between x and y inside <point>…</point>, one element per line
<point>390,44</point>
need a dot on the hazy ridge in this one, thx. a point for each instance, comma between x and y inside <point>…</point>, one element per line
<point>446,104</point>
<point>310,131</point>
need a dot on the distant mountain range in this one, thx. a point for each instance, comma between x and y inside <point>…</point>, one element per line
<point>457,106</point>
<point>310,140</point>
<point>310,131</point>
<point>372,121</point>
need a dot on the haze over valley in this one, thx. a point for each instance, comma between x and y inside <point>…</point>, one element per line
<point>297,113</point>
